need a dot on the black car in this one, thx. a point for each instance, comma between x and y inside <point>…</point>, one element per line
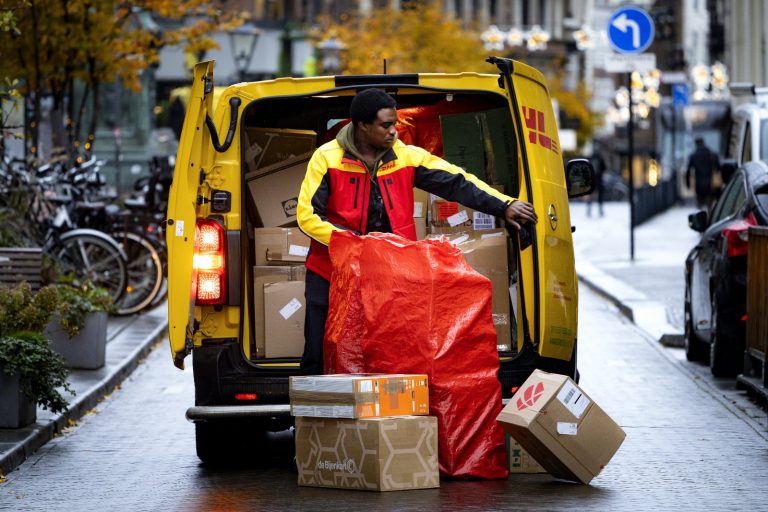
<point>716,271</point>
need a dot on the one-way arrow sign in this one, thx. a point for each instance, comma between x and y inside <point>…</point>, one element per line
<point>630,30</point>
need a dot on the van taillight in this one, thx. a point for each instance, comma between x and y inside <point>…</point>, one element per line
<point>209,262</point>
<point>737,236</point>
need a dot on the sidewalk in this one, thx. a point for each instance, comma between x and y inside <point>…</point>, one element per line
<point>650,288</point>
<point>129,340</point>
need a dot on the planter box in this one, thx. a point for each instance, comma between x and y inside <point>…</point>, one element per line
<point>87,350</point>
<point>16,410</point>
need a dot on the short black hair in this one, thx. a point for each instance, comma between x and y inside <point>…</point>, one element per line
<point>366,105</point>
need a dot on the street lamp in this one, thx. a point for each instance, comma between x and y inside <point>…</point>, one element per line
<point>534,39</point>
<point>242,42</point>
<point>330,55</point>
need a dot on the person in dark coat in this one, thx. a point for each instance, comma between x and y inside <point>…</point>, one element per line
<point>702,164</point>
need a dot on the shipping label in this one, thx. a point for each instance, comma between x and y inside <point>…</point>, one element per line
<point>573,399</point>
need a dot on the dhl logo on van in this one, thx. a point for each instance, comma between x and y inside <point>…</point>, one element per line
<point>537,134</point>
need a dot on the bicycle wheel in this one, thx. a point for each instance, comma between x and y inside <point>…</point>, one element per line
<point>92,256</point>
<point>145,273</point>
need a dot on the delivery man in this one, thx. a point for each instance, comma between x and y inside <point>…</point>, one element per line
<point>362,181</point>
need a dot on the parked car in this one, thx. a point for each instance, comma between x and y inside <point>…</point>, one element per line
<point>716,271</point>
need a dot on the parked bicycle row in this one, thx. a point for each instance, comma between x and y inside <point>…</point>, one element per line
<point>66,209</point>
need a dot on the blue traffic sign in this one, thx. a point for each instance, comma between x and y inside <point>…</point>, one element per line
<point>680,95</point>
<point>630,30</point>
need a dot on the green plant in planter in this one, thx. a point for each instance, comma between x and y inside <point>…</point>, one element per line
<point>40,369</point>
<point>24,350</point>
<point>77,300</point>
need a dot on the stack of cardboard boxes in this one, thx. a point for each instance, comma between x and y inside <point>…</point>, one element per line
<point>278,292</point>
<point>485,248</point>
<point>364,432</point>
<point>277,161</point>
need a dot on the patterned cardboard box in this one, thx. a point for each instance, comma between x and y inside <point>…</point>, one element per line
<point>376,454</point>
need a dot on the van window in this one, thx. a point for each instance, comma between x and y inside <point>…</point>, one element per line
<point>763,139</point>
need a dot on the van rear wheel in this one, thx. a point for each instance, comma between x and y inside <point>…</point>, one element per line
<point>223,442</point>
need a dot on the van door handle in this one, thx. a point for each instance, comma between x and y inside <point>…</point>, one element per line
<point>573,229</point>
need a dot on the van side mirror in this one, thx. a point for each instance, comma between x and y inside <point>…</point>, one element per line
<point>698,221</point>
<point>579,177</point>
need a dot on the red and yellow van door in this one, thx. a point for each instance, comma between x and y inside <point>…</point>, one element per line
<point>548,272</point>
<point>194,152</point>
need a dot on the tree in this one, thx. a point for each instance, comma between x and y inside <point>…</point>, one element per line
<point>52,46</point>
<point>417,39</point>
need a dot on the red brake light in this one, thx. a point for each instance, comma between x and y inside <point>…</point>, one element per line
<point>737,236</point>
<point>209,262</point>
<point>246,396</point>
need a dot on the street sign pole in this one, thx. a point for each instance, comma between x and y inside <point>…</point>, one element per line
<point>631,158</point>
<point>630,33</point>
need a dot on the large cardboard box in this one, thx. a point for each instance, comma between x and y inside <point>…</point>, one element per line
<point>453,217</point>
<point>284,310</point>
<point>269,146</point>
<point>279,342</point>
<point>486,252</point>
<point>359,395</point>
<point>275,190</point>
<point>555,421</point>
<point>377,454</point>
<point>280,246</point>
<point>420,212</point>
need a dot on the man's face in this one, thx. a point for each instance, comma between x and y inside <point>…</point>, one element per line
<point>381,133</point>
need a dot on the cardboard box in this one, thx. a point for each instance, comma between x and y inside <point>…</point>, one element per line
<point>280,246</point>
<point>262,276</point>
<point>486,252</point>
<point>561,427</point>
<point>275,190</point>
<point>453,217</point>
<point>359,395</point>
<point>377,454</point>
<point>420,203</point>
<point>284,310</point>
<point>269,146</point>
<point>520,461</point>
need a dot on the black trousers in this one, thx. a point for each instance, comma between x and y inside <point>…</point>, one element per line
<point>316,295</point>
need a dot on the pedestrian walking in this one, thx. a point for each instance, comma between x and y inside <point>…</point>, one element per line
<point>599,167</point>
<point>330,198</point>
<point>703,163</point>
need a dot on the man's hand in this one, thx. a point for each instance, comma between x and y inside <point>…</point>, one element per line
<point>520,211</point>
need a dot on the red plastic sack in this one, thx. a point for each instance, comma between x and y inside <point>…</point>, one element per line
<point>398,306</point>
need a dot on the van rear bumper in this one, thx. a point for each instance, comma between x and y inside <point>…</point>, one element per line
<point>230,412</point>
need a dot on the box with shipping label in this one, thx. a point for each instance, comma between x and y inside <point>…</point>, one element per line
<point>420,203</point>
<point>359,395</point>
<point>266,275</point>
<point>269,146</point>
<point>280,246</point>
<point>555,421</point>
<point>486,252</point>
<point>275,190</point>
<point>520,461</point>
<point>376,454</point>
<point>284,310</point>
<point>452,217</point>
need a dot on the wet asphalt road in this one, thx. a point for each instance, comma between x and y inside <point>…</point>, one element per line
<point>693,443</point>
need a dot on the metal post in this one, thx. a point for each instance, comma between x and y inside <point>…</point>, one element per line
<point>631,157</point>
<point>674,149</point>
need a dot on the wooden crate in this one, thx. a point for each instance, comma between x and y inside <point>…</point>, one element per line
<point>757,303</point>
<point>19,264</point>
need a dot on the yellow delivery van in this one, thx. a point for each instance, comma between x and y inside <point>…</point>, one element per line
<point>235,253</point>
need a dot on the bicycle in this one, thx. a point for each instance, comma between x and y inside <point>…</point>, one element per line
<point>87,254</point>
